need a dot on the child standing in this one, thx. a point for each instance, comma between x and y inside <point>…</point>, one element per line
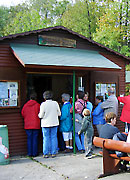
<point>66,122</point>
<point>87,128</point>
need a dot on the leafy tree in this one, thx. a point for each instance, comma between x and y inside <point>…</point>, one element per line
<point>26,20</point>
<point>60,10</point>
<point>81,17</point>
<point>34,14</point>
<point>45,8</point>
<point>4,15</point>
<point>105,21</point>
<point>111,30</point>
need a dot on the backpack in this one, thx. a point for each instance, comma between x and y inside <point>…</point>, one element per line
<point>84,107</point>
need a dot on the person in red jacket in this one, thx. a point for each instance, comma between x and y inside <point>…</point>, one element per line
<point>31,124</point>
<point>125,115</point>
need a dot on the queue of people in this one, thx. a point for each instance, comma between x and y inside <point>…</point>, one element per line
<point>54,118</point>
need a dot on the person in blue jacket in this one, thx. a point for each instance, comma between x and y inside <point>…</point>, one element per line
<point>66,122</point>
<point>98,114</point>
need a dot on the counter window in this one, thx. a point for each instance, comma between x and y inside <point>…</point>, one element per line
<point>102,89</point>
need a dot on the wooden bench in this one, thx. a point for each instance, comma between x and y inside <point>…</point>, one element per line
<point>111,163</point>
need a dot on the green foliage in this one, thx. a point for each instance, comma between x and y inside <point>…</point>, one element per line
<point>34,14</point>
<point>128,67</point>
<point>125,50</point>
<point>105,21</point>
<point>60,10</point>
<point>112,31</point>
<point>81,17</point>
<point>25,21</point>
<point>127,88</point>
<point>4,13</point>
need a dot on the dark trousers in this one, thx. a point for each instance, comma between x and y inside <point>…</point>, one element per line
<point>32,141</point>
<point>61,143</point>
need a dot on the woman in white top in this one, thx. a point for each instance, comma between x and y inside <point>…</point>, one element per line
<point>49,112</point>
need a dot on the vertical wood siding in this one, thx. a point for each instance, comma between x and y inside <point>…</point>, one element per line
<point>10,69</point>
<point>16,132</point>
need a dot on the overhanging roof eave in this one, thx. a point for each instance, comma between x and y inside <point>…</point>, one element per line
<point>27,66</point>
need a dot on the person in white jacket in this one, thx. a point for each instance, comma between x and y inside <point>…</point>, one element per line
<point>49,112</point>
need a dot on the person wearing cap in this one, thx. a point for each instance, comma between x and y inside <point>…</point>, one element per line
<point>111,104</point>
<point>49,112</point>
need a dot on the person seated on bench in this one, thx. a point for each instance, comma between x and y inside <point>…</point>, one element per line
<point>120,137</point>
<point>108,130</point>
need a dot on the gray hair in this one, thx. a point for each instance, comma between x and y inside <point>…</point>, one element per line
<point>47,95</point>
<point>66,97</point>
<point>111,90</point>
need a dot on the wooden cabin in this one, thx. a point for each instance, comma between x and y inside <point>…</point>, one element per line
<point>46,59</point>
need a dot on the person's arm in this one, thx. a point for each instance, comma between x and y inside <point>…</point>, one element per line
<point>97,110</point>
<point>71,109</point>
<point>89,106</point>
<point>80,121</point>
<point>122,99</point>
<point>64,113</point>
<point>22,112</point>
<point>58,110</point>
<point>84,126</point>
<point>37,108</point>
<point>42,112</point>
<point>107,104</point>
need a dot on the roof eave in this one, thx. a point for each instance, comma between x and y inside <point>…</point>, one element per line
<point>70,67</point>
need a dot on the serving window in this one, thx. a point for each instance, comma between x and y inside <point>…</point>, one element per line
<point>9,93</point>
<point>102,89</point>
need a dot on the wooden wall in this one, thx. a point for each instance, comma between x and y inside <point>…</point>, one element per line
<point>121,81</point>
<point>11,69</point>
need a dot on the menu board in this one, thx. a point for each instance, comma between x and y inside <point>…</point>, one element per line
<point>102,89</point>
<point>8,94</point>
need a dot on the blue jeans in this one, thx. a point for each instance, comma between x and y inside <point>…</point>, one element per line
<point>32,141</point>
<point>79,141</point>
<point>49,140</point>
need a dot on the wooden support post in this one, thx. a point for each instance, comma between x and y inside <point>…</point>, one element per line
<point>74,148</point>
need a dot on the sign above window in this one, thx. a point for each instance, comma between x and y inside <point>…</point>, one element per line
<point>56,41</point>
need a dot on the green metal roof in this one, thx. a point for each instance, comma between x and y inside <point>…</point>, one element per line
<point>59,56</point>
